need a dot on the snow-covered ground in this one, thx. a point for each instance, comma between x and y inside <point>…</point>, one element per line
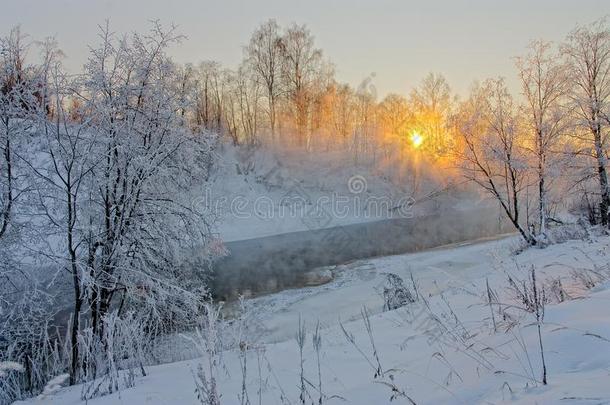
<point>360,283</point>
<point>440,349</point>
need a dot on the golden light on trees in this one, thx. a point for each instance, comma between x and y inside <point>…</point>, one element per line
<point>416,139</point>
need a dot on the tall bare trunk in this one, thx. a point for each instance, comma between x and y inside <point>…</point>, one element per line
<point>6,210</point>
<point>604,204</point>
<point>78,300</point>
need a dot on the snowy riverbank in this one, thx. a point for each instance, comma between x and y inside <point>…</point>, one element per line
<point>440,349</point>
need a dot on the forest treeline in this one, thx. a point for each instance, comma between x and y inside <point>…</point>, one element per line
<point>527,150</point>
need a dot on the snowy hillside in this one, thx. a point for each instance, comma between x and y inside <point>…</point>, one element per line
<point>251,191</point>
<point>452,345</point>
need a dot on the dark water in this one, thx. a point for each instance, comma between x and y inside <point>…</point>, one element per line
<point>273,263</point>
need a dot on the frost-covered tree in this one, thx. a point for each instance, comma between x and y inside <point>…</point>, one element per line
<point>587,51</point>
<point>19,96</point>
<point>301,64</point>
<point>116,169</point>
<point>25,306</point>
<point>247,93</point>
<point>492,158</point>
<point>143,225</point>
<point>432,103</point>
<point>544,87</point>
<point>263,54</point>
<point>64,166</point>
<point>209,106</point>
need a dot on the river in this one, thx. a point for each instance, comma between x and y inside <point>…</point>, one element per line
<point>274,263</point>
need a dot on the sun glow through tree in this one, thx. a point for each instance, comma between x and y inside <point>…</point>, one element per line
<point>416,139</point>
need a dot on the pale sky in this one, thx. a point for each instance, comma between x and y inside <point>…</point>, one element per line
<point>399,41</point>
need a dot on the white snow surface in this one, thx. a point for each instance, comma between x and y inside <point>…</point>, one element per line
<point>467,363</point>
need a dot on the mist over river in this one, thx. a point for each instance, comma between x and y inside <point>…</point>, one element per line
<point>273,263</point>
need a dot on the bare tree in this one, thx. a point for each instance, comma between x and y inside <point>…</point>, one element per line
<point>16,99</point>
<point>263,53</point>
<point>115,183</point>
<point>489,128</point>
<point>432,104</point>
<point>301,63</point>
<point>65,172</point>
<point>544,86</point>
<point>365,118</point>
<point>395,114</point>
<point>587,51</point>
<point>209,105</point>
<point>343,113</point>
<point>248,95</point>
<point>231,106</point>
<point>149,164</point>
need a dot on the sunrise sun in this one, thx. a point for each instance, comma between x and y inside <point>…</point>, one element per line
<point>416,139</point>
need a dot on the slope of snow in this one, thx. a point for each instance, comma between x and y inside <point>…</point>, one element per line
<point>249,189</point>
<point>457,359</point>
<point>360,283</point>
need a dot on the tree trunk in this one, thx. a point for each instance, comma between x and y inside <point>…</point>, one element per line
<point>6,211</point>
<point>78,300</point>
<point>272,118</point>
<point>604,204</point>
<point>75,329</point>
<point>541,185</point>
<point>541,206</point>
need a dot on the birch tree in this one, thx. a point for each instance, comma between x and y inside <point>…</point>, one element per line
<point>151,163</point>
<point>116,172</point>
<point>263,53</point>
<point>431,101</point>
<point>65,172</point>
<point>492,158</point>
<point>301,63</point>
<point>209,106</point>
<point>587,52</point>
<point>544,87</point>
<point>17,97</point>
